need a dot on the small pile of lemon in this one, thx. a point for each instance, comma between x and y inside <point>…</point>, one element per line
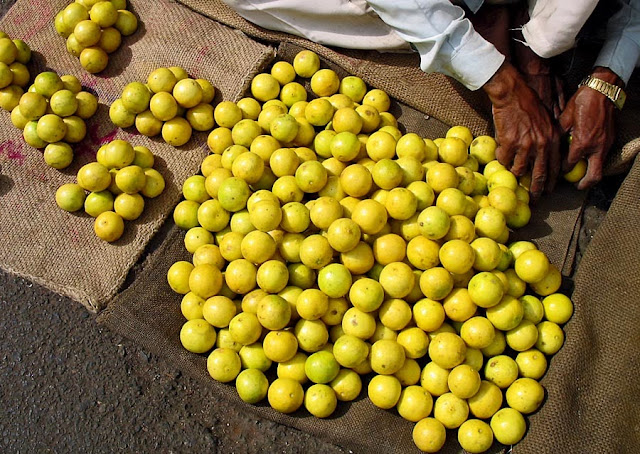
<point>14,74</point>
<point>52,115</point>
<point>116,184</point>
<point>170,103</point>
<point>94,29</point>
<point>327,244</point>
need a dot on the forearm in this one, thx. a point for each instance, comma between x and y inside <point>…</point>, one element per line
<point>445,39</point>
<point>621,50</point>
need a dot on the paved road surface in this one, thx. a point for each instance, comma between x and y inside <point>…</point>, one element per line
<point>69,385</point>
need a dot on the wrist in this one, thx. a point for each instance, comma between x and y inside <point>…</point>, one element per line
<point>607,75</point>
<point>502,83</point>
<point>607,84</point>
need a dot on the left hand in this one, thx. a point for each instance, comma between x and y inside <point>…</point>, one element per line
<point>589,118</point>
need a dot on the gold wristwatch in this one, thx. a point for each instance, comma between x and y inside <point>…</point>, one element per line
<point>611,91</point>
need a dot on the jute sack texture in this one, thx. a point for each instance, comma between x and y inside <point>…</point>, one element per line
<point>154,321</point>
<point>592,382</point>
<point>399,75</point>
<point>57,249</point>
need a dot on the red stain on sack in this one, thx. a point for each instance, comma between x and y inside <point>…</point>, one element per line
<point>13,151</point>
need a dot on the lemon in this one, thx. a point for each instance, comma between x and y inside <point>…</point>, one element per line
<point>347,385</point>
<point>447,350</point>
<point>577,172</point>
<point>185,214</point>
<point>223,364</point>
<point>525,395</point>
<point>550,337</point>
<point>486,401</point>
<point>163,105</point>
<point>129,206</point>
<point>97,203</point>
<point>191,306</point>
<point>306,63</point>
<point>252,385</point>
<point>94,59</point>
<point>531,364</point>
<point>58,155</point>
<point>453,150</point>
<point>325,82</point>
<point>532,266</point>
<point>265,87</point>
<point>87,33</point>
<point>558,308</point>
<point>120,116</point>
<point>508,426</point>
<point>312,335</point>
<point>477,332</point>
<point>10,97</point>
<point>70,197</point>
<point>319,112</point>
<point>179,72</point>
<point>501,370</point>
<point>429,435</point>
<point>320,400</point>
<point>188,93</point>
<point>126,23</point>
<point>378,99</point>
<point>475,436</point>
<point>450,410</point>
<point>384,391</point>
<point>197,336</point>
<point>87,105</point>
<point>161,80</point>
<point>283,72</point>
<point>176,131</point>
<point>483,148</point>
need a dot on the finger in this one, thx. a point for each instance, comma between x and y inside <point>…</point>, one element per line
<point>560,93</point>
<point>576,152</point>
<point>504,154</point>
<point>538,175</point>
<point>520,163</point>
<point>594,171</point>
<point>566,118</point>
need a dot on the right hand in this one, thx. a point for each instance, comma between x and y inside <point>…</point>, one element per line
<point>525,134</point>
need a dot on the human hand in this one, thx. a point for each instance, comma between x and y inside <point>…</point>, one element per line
<point>589,118</point>
<point>550,90</point>
<point>524,131</point>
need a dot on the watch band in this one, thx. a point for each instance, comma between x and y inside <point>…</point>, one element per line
<point>613,92</point>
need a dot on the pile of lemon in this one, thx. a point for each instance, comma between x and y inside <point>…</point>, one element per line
<point>170,103</point>
<point>94,29</point>
<point>52,114</point>
<point>328,245</point>
<point>116,184</point>
<point>14,74</point>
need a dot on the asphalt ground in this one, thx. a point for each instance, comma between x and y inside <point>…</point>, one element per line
<point>70,385</point>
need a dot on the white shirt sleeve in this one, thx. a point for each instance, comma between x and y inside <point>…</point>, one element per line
<point>621,49</point>
<point>445,39</point>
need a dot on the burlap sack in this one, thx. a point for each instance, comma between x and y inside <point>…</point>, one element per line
<point>155,321</point>
<point>592,382</point>
<point>58,249</point>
